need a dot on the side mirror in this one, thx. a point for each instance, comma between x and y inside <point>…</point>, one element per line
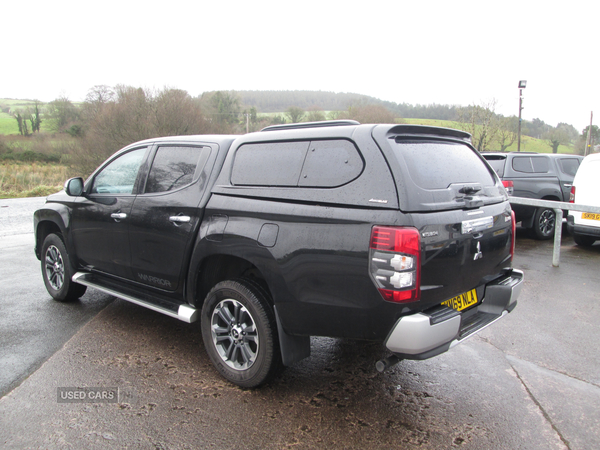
<point>74,187</point>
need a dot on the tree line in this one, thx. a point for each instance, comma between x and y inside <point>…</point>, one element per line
<point>112,117</point>
<point>493,131</point>
<point>273,101</point>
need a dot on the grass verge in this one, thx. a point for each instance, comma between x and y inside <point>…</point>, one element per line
<point>31,180</point>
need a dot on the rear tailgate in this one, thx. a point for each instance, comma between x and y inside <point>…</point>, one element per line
<point>462,250</point>
<point>458,205</point>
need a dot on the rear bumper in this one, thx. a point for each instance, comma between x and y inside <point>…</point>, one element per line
<point>584,230</point>
<point>429,333</point>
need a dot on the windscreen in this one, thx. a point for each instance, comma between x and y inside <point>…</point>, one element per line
<point>437,165</point>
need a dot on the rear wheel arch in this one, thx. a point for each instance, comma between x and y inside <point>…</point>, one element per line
<point>218,268</point>
<point>551,198</point>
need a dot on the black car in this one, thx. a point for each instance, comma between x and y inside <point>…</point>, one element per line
<point>538,176</point>
<point>393,233</point>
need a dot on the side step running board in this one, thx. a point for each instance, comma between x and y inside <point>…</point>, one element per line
<point>185,313</point>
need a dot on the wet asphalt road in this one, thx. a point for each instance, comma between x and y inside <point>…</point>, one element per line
<point>32,326</point>
<point>531,381</point>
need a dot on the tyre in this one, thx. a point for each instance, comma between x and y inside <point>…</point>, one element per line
<point>584,241</point>
<point>57,272</point>
<point>240,333</point>
<point>544,222</point>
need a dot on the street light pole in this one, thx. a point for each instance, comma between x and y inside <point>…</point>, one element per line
<point>589,134</point>
<point>522,85</point>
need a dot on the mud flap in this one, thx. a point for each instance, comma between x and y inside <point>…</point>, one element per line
<point>293,348</point>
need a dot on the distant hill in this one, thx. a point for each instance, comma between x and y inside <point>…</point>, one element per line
<point>278,101</point>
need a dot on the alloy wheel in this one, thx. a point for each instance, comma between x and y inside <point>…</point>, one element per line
<point>234,334</point>
<point>55,268</point>
<point>546,221</point>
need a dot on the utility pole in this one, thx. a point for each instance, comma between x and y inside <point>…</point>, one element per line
<point>589,135</point>
<point>522,85</point>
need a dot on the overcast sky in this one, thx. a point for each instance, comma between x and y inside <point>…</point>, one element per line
<point>417,52</point>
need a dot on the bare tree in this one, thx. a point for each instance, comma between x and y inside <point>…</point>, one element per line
<point>134,114</point>
<point>315,114</point>
<point>507,132</point>
<point>295,114</point>
<point>61,113</point>
<point>481,122</point>
<point>37,116</point>
<point>223,110</point>
<point>371,114</point>
<point>556,137</point>
<point>19,119</point>
<point>96,98</point>
<point>177,113</point>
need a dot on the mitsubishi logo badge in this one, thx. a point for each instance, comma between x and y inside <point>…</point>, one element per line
<point>478,255</point>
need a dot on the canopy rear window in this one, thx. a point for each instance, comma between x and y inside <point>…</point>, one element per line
<point>437,165</point>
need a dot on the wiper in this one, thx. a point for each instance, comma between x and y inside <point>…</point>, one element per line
<point>468,190</point>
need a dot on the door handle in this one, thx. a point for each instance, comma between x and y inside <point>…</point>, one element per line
<point>568,185</point>
<point>118,216</point>
<point>180,219</point>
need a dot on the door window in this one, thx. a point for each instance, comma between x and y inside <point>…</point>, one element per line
<point>119,176</point>
<point>174,167</point>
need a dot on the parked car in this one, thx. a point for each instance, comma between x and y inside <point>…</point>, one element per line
<point>400,234</point>
<point>537,176</point>
<point>585,226</point>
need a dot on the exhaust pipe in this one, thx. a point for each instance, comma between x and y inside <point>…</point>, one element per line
<point>384,364</point>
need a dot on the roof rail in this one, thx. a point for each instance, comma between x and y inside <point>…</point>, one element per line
<point>325,123</point>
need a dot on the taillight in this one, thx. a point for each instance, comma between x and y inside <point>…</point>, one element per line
<point>509,186</point>
<point>395,263</point>
<point>514,235</point>
<point>572,195</point>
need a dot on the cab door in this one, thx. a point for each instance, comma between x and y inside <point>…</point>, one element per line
<point>166,214</point>
<point>100,217</point>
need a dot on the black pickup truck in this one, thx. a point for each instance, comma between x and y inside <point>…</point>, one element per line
<point>394,233</point>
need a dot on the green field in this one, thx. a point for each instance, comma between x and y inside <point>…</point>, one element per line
<point>528,144</point>
<point>8,124</point>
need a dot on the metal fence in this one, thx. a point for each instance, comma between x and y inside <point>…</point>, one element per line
<point>558,208</point>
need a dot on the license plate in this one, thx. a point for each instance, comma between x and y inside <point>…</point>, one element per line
<point>462,301</point>
<point>591,216</point>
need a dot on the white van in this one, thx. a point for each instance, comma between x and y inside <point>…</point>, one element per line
<point>585,226</point>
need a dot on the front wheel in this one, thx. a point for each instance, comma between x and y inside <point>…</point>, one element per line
<point>57,272</point>
<point>544,223</point>
<point>240,332</point>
